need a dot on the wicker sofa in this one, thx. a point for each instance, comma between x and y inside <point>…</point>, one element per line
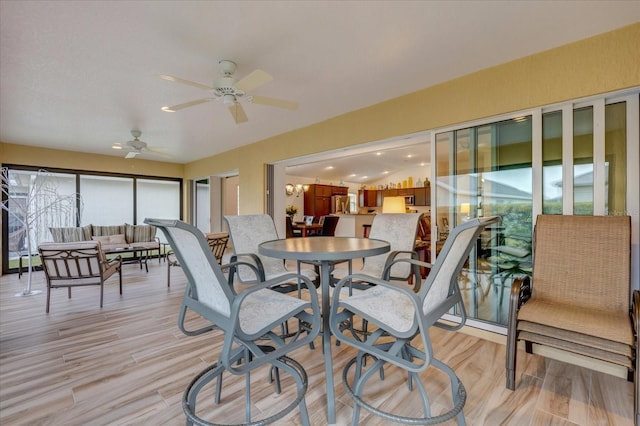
<point>111,238</point>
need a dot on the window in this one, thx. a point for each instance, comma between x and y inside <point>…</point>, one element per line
<point>104,200</point>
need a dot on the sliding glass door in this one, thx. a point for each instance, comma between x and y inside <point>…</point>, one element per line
<point>566,159</point>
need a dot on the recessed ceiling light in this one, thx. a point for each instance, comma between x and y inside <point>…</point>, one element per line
<point>410,156</point>
<point>353,175</point>
<point>386,172</point>
<point>167,109</point>
<point>422,164</point>
<point>116,147</point>
<point>378,153</point>
<point>364,177</point>
<point>329,168</point>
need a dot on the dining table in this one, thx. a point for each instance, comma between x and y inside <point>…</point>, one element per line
<point>307,229</point>
<point>325,251</point>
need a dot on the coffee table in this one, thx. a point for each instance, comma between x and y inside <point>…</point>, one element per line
<point>133,249</point>
<point>326,251</point>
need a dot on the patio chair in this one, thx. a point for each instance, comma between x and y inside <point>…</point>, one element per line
<point>217,243</point>
<point>399,315</point>
<point>247,232</point>
<point>77,264</point>
<point>247,319</point>
<point>399,230</point>
<point>579,299</point>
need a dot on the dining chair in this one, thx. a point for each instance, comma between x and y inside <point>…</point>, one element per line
<point>247,319</point>
<point>247,232</point>
<point>329,224</point>
<point>399,230</point>
<point>398,316</point>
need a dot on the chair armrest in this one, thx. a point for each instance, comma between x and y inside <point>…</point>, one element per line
<point>416,264</point>
<point>521,291</point>
<point>233,266</point>
<point>391,260</point>
<point>116,260</point>
<point>256,261</point>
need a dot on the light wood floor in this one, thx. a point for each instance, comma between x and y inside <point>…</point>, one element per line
<point>128,363</point>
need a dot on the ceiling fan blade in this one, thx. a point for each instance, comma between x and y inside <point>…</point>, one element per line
<point>131,154</point>
<point>238,113</point>
<point>175,108</point>
<point>253,80</point>
<point>280,103</point>
<point>187,82</point>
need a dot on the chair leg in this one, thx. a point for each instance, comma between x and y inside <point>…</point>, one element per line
<point>48,297</point>
<point>168,274</point>
<point>512,351</point>
<point>101,293</point>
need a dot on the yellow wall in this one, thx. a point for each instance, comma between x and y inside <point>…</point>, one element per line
<point>599,64</point>
<point>52,158</point>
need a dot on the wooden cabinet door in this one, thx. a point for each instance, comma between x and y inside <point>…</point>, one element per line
<point>420,196</point>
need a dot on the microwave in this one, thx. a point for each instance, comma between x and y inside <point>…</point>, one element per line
<point>409,200</point>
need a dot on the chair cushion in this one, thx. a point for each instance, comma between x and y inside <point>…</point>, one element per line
<point>612,326</point>
<point>107,230</point>
<point>71,234</point>
<point>264,309</point>
<point>139,233</point>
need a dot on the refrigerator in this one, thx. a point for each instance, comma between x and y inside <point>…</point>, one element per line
<point>340,204</point>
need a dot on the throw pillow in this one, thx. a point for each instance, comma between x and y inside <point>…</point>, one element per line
<point>117,239</point>
<point>104,239</point>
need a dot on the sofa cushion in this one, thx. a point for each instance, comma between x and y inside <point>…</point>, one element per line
<point>117,239</point>
<point>71,234</point>
<point>107,230</point>
<point>139,233</point>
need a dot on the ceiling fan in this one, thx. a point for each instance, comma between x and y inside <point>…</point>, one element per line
<point>230,91</point>
<point>137,147</point>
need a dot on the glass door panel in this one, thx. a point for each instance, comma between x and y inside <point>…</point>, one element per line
<point>583,161</point>
<point>485,171</point>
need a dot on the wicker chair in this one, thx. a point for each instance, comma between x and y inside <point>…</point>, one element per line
<point>399,317</point>
<point>579,298</point>
<point>77,264</point>
<point>247,319</point>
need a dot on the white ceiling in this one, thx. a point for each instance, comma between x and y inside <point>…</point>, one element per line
<point>79,75</point>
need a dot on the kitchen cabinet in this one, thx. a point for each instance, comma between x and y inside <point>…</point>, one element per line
<point>317,199</point>
<point>368,198</point>
<point>422,196</point>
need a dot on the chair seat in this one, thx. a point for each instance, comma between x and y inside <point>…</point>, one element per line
<point>266,307</point>
<point>387,309</point>
<point>607,325</point>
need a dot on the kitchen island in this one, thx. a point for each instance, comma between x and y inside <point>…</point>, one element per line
<point>351,225</point>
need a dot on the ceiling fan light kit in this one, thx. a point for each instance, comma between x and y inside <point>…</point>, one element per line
<point>231,91</point>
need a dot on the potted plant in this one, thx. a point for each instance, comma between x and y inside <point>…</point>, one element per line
<point>291,211</point>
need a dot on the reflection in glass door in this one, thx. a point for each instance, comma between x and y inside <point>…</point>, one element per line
<point>485,171</point>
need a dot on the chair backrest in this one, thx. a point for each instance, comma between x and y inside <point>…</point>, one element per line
<point>583,260</point>
<point>399,230</point>
<point>329,224</point>
<point>444,273</point>
<point>289,227</point>
<point>218,244</point>
<point>72,263</point>
<point>247,232</point>
<point>205,278</point>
